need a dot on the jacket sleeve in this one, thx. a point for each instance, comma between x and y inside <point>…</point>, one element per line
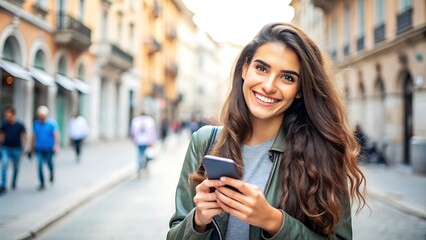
<point>181,223</point>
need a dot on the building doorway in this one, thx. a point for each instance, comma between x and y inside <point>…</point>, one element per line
<point>408,114</point>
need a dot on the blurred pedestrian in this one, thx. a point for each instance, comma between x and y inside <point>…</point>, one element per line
<point>176,125</point>
<point>164,128</point>
<point>362,141</point>
<point>45,143</point>
<point>284,126</point>
<point>12,139</point>
<point>193,124</point>
<point>144,134</point>
<point>77,131</point>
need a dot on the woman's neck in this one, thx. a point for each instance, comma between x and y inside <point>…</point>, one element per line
<point>263,130</point>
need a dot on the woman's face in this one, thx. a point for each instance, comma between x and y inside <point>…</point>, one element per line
<point>271,81</point>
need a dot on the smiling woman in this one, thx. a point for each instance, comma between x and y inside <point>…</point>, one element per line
<point>285,127</point>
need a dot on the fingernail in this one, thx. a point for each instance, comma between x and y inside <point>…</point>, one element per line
<point>222,179</point>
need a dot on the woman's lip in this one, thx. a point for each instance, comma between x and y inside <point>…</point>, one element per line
<point>262,102</point>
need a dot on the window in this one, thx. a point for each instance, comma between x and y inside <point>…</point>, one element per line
<point>81,72</point>
<point>42,3</point>
<point>119,28</point>
<point>104,22</point>
<point>62,6</point>
<point>360,18</point>
<point>62,66</point>
<point>404,5</point>
<point>81,12</point>
<point>9,50</point>
<point>347,25</point>
<point>40,60</point>
<point>131,36</point>
<point>333,37</point>
<point>380,12</point>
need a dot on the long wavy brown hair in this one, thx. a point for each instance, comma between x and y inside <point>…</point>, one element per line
<point>318,172</point>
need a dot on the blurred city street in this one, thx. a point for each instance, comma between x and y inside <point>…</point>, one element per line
<point>103,198</point>
<point>110,62</point>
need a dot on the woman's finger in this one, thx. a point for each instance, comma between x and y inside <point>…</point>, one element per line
<point>230,203</point>
<point>205,185</point>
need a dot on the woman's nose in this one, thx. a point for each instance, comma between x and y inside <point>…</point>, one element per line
<point>269,85</point>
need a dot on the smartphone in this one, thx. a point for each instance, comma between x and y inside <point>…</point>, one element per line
<point>217,167</point>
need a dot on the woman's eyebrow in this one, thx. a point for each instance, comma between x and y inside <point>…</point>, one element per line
<point>283,71</point>
<point>263,63</point>
<point>290,72</point>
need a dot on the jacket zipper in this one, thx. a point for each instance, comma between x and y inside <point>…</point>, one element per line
<point>218,229</point>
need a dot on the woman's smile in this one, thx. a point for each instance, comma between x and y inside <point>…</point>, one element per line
<point>265,99</point>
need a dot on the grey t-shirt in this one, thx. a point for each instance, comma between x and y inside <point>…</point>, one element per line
<point>257,168</point>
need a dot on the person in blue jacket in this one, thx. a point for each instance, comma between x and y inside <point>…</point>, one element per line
<point>45,143</point>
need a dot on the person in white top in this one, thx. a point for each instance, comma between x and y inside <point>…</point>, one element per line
<point>144,135</point>
<point>77,131</point>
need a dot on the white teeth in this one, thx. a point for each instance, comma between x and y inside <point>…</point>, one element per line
<point>265,99</point>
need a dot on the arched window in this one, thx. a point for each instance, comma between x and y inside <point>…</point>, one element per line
<point>361,87</point>
<point>81,72</point>
<point>379,86</point>
<point>62,66</point>
<point>40,60</point>
<point>9,53</point>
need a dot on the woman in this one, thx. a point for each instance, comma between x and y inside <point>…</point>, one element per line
<point>285,126</point>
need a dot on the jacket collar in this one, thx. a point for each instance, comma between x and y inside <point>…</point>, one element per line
<point>278,145</point>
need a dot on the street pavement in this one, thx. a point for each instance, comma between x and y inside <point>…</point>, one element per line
<point>398,187</point>
<point>25,212</point>
<point>139,208</point>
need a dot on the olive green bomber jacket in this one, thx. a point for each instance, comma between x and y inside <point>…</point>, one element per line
<point>181,223</point>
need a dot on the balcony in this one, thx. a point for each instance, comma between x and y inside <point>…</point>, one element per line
<point>112,56</point>
<point>360,44</point>
<point>379,33</point>
<point>39,10</point>
<point>325,5</point>
<point>72,33</point>
<point>404,21</point>
<point>152,46</point>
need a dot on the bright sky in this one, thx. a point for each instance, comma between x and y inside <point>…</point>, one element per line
<point>237,21</point>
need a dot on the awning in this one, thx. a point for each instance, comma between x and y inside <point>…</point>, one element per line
<point>65,82</point>
<point>81,86</point>
<point>42,77</point>
<point>15,70</point>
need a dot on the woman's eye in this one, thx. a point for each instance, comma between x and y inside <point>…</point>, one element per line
<point>288,78</point>
<point>261,68</point>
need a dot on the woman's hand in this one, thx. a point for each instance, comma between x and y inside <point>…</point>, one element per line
<point>206,206</point>
<point>248,205</point>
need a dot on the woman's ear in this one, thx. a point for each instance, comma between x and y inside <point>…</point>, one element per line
<point>299,94</point>
<point>244,70</point>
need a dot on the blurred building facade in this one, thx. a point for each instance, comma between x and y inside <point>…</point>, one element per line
<point>44,59</point>
<point>107,59</point>
<point>379,48</point>
<point>310,19</point>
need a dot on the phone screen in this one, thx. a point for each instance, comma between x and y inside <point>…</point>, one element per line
<point>217,167</point>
